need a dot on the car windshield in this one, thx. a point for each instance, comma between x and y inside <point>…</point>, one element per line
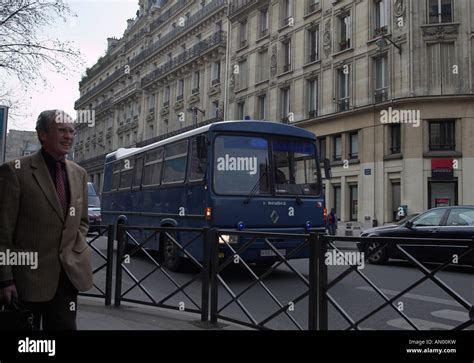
<point>406,219</point>
<point>93,198</point>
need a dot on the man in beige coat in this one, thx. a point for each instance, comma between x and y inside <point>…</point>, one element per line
<point>44,215</point>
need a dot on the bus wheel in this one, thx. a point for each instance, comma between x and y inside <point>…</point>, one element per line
<point>171,258</point>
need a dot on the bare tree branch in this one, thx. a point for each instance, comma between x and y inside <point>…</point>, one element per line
<point>23,50</point>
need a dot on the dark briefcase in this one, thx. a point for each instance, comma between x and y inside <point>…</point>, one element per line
<point>15,317</point>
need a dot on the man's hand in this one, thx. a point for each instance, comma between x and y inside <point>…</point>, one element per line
<point>7,293</point>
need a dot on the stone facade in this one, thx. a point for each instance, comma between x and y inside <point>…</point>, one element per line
<point>344,70</point>
<point>165,74</point>
<point>21,143</point>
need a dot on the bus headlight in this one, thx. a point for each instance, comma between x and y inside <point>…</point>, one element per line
<point>230,239</point>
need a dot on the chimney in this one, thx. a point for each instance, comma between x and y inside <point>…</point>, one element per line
<point>111,42</point>
<point>129,23</point>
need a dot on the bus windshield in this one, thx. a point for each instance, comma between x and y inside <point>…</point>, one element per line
<point>242,166</point>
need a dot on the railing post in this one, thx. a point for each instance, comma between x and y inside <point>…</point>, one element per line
<point>214,270</point>
<point>313,282</point>
<point>110,263</point>
<point>206,264</point>
<point>321,245</point>
<point>118,272</point>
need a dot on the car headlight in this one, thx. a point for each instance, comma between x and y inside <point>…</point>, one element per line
<point>230,239</point>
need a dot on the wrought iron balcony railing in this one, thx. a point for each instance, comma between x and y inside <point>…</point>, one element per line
<point>219,38</point>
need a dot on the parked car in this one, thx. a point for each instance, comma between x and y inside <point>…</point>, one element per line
<point>95,218</point>
<point>455,222</point>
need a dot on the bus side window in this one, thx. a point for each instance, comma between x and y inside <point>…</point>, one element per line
<point>126,175</point>
<point>137,179</point>
<point>152,169</point>
<point>176,155</point>
<point>116,175</point>
<point>197,166</point>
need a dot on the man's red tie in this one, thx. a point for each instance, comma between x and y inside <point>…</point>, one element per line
<point>61,186</point>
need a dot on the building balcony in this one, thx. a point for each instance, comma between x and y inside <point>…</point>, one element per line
<point>380,31</point>
<point>100,87</point>
<point>206,45</point>
<point>103,106</point>
<point>195,90</point>
<point>237,6</point>
<point>344,44</point>
<point>193,20</point>
<point>343,104</point>
<point>167,14</point>
<point>313,7</point>
<point>381,95</point>
<point>126,92</point>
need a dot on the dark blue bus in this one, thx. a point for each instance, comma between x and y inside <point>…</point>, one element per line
<point>256,175</point>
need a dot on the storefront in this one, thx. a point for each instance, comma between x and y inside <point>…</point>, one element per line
<point>442,186</point>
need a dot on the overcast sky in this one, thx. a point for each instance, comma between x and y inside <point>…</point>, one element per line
<point>96,21</point>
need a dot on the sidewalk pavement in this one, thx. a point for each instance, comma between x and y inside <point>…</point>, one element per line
<point>92,314</point>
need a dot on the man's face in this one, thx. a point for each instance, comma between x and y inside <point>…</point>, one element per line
<point>58,140</point>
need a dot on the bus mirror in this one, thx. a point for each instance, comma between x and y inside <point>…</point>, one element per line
<point>327,169</point>
<point>201,145</point>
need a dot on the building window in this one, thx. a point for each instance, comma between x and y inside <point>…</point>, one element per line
<point>441,60</point>
<point>442,193</point>
<point>215,109</point>
<point>286,11</point>
<point>354,145</point>
<point>180,90</point>
<point>262,66</point>
<point>286,55</point>
<point>354,201</point>
<point>322,148</point>
<point>313,5</point>
<point>150,131</point>
<point>262,107</point>
<point>196,81</point>
<point>165,126</point>
<point>344,32</point>
<point>381,17</point>
<point>395,139</point>
<point>440,11</point>
<point>166,100</point>
<point>263,22</point>
<point>285,104</point>
<point>243,75</point>
<point>312,98</point>
<point>243,33</point>
<point>337,148</point>
<point>442,135</point>
<point>240,110</point>
<point>343,89</point>
<point>216,72</point>
<point>313,44</point>
<point>381,79</point>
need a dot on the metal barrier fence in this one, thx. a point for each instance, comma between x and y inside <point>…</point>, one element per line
<point>107,259</point>
<point>315,293</point>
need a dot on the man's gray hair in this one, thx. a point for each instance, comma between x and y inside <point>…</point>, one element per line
<point>44,121</point>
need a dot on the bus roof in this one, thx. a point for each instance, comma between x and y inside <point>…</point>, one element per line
<point>269,127</point>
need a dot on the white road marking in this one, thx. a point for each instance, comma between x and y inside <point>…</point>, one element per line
<point>420,323</point>
<point>430,299</point>
<point>455,315</point>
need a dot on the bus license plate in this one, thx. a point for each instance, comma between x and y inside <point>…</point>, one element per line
<point>270,253</point>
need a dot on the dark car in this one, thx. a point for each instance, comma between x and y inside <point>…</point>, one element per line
<point>95,218</point>
<point>456,222</point>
